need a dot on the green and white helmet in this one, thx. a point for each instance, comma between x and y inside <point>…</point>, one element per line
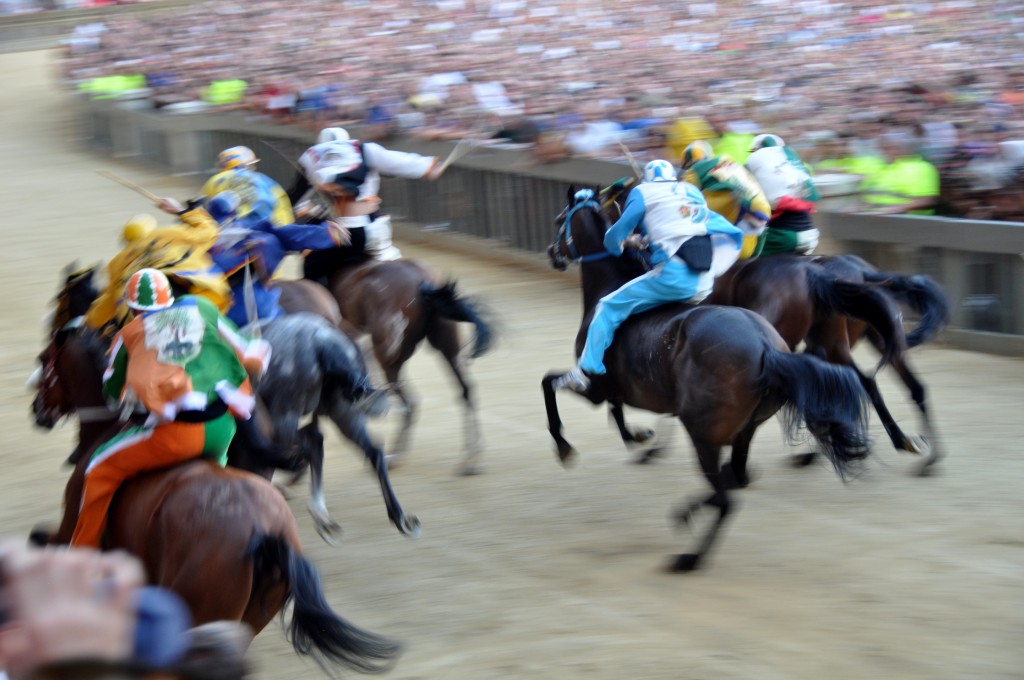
<point>149,290</point>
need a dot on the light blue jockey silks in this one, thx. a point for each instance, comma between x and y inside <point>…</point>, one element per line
<point>667,213</point>
<point>262,246</point>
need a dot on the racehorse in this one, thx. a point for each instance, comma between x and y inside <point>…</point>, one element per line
<point>223,539</point>
<point>721,370</point>
<point>311,368</point>
<point>808,300</point>
<point>398,304</point>
<point>926,299</point>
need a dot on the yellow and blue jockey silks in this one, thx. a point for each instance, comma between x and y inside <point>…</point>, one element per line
<point>259,195</point>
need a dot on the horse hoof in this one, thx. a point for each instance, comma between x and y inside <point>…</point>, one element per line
<point>39,537</point>
<point>470,469</point>
<point>329,531</point>
<point>649,456</point>
<point>803,459</point>
<point>684,563</point>
<point>643,436</point>
<point>567,455</point>
<point>393,460</point>
<point>410,526</point>
<point>917,445</point>
<point>926,469</point>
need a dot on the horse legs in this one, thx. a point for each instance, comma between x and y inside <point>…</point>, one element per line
<point>407,407</point>
<point>637,437</point>
<point>312,443</point>
<point>566,453</point>
<point>931,441</point>
<point>352,425</point>
<point>445,339</point>
<point>708,454</point>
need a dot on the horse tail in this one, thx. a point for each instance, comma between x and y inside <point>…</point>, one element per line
<point>446,302</point>
<point>315,630</point>
<point>923,295</point>
<point>861,301</point>
<point>828,397</point>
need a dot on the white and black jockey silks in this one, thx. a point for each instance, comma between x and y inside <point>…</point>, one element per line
<point>341,163</point>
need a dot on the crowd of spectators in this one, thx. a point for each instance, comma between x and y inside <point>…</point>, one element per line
<point>575,77</point>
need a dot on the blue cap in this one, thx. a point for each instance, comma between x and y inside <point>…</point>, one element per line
<point>161,628</point>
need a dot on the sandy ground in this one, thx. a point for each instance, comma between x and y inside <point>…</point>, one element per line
<point>531,570</point>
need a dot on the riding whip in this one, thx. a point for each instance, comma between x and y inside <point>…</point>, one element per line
<point>463,147</point>
<point>632,161</point>
<point>130,185</point>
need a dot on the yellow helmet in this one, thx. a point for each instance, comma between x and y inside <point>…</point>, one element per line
<point>696,151</point>
<point>138,227</point>
<point>235,157</point>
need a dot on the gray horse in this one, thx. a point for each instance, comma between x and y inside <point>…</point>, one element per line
<point>316,370</point>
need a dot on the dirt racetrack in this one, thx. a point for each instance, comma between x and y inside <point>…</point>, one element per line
<point>531,570</point>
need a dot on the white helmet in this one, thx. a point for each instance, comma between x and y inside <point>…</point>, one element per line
<point>659,171</point>
<point>761,141</point>
<point>335,134</point>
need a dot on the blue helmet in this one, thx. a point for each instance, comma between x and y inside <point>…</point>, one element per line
<point>224,206</point>
<point>659,171</point>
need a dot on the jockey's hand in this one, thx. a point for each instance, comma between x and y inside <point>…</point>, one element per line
<point>636,241</point>
<point>339,233</point>
<point>170,205</point>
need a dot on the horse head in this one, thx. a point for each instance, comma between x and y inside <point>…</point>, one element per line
<point>73,358</point>
<point>74,298</point>
<point>581,226</point>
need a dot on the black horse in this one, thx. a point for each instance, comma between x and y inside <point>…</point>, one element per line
<point>828,304</point>
<point>721,370</point>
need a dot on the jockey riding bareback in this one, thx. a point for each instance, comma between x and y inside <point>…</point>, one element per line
<point>189,367</point>
<point>346,172</point>
<point>179,250</point>
<point>256,245</point>
<point>731,191</point>
<point>258,194</point>
<point>689,244</point>
<point>791,192</point>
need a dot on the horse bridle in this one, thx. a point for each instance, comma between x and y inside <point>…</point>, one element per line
<point>584,198</point>
<point>49,379</point>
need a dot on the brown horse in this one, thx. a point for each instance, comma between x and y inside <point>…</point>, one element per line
<point>223,539</point>
<point>313,371</point>
<point>722,371</point>
<point>398,304</point>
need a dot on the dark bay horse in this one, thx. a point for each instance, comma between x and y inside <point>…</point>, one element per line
<point>810,301</point>
<point>398,304</point>
<point>722,371</point>
<point>926,299</point>
<point>223,539</point>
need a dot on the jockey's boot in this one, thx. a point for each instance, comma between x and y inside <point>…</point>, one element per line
<point>576,380</point>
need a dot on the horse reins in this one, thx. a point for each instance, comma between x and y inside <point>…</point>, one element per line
<point>584,199</point>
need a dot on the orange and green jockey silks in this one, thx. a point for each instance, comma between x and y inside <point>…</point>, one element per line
<point>184,358</point>
<point>902,181</point>
<point>180,251</point>
<point>258,195</point>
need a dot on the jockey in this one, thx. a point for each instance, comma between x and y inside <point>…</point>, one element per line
<point>791,193</point>
<point>246,242</point>
<point>346,173</point>
<point>179,250</point>
<point>690,245</point>
<point>188,366</point>
<point>731,191</point>
<point>259,194</point>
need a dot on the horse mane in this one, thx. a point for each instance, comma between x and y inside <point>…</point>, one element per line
<point>74,297</point>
